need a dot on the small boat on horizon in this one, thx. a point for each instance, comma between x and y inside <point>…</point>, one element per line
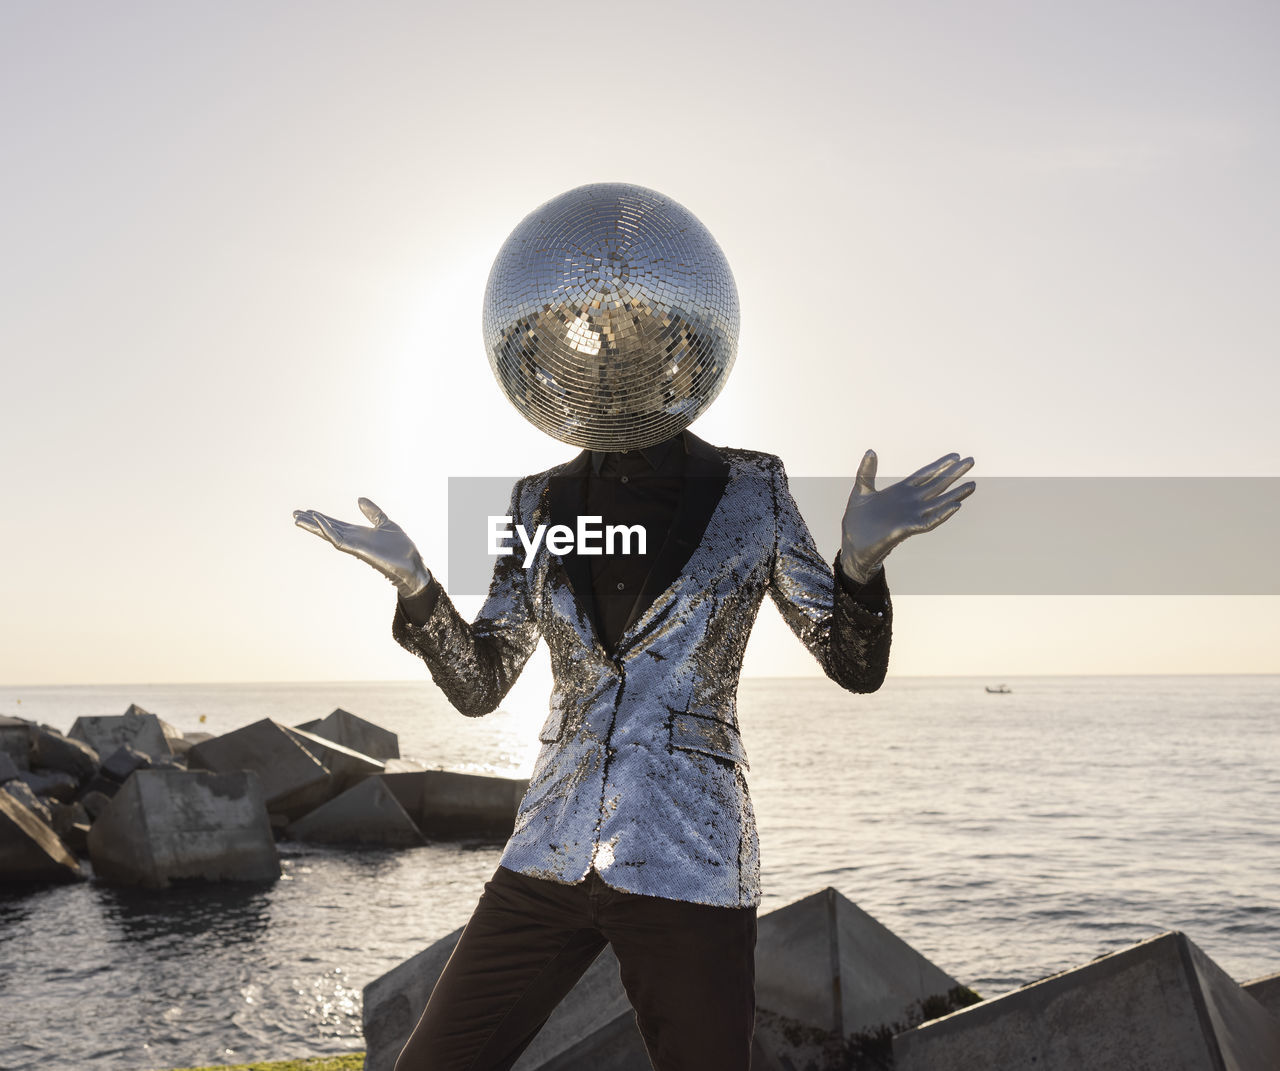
<point>999,689</point>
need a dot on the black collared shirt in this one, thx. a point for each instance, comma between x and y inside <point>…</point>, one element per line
<point>630,487</point>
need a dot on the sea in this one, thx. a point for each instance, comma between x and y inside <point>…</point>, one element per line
<point>1004,836</point>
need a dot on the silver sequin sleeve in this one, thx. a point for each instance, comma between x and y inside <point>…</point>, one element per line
<point>476,664</point>
<point>849,641</point>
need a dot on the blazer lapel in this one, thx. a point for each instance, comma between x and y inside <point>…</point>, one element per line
<point>705,475</point>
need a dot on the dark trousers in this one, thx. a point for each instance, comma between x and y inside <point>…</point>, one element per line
<point>688,970</point>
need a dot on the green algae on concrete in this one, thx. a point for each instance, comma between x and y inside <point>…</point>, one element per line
<point>352,1061</point>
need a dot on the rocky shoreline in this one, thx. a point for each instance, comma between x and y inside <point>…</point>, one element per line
<point>131,800</point>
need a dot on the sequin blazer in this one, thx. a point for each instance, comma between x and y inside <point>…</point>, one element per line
<point>641,769</point>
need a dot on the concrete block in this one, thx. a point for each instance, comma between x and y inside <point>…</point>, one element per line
<point>99,785</point>
<point>120,763</point>
<point>405,766</point>
<point>1159,1004</point>
<point>53,783</point>
<point>180,746</point>
<point>1266,991</point>
<point>95,802</point>
<point>19,790</point>
<point>135,727</point>
<point>54,751</point>
<point>171,732</point>
<point>594,1026</point>
<point>825,962</point>
<point>76,838</point>
<point>15,740</point>
<point>614,1046</point>
<point>65,815</point>
<point>29,850</point>
<point>169,824</point>
<point>345,765</point>
<point>350,730</point>
<point>366,813</point>
<point>444,804</point>
<point>292,779</point>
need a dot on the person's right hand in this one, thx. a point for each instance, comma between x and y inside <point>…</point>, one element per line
<point>384,546</point>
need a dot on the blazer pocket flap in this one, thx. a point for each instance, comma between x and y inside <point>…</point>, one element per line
<point>550,731</point>
<point>693,732</point>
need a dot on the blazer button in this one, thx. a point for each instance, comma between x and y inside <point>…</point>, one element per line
<point>621,586</point>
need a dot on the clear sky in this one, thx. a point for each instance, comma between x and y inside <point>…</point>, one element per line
<point>245,246</point>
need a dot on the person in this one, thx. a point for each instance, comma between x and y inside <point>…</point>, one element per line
<point>637,829</point>
<point>611,321</point>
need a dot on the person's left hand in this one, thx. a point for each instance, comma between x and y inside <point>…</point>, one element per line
<point>877,521</point>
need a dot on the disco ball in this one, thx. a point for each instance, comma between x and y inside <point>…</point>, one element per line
<point>611,317</point>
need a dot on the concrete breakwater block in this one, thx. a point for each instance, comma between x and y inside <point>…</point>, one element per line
<point>15,740</point>
<point>123,761</point>
<point>19,790</point>
<point>1266,991</point>
<point>832,985</point>
<point>30,851</point>
<point>293,780</point>
<point>446,804</point>
<point>350,730</point>
<point>63,816</point>
<point>54,751</point>
<point>1160,1004</point>
<point>136,727</point>
<point>165,824</point>
<point>594,1026</point>
<point>54,783</point>
<point>8,768</point>
<point>366,813</point>
<point>94,803</point>
<point>346,765</point>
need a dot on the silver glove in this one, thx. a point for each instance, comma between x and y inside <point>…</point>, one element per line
<point>877,521</point>
<point>384,546</point>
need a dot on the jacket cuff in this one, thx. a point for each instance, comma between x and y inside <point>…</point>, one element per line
<point>417,609</point>
<point>872,596</point>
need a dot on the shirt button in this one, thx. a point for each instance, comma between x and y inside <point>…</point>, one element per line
<point>626,479</point>
<point>621,586</point>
